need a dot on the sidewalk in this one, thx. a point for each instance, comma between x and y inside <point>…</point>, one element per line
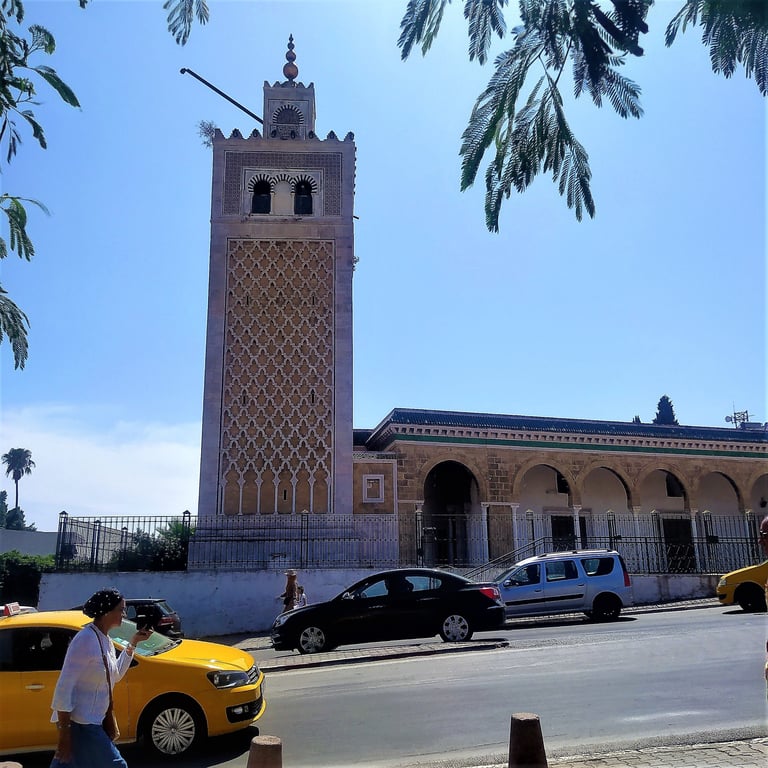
<point>752,753</point>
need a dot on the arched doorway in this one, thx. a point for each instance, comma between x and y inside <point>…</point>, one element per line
<point>450,492</point>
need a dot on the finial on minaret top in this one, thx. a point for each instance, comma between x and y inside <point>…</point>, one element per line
<point>290,70</point>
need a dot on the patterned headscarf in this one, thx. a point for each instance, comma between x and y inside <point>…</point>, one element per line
<point>102,602</point>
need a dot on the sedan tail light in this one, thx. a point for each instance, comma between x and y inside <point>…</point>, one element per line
<point>491,592</point>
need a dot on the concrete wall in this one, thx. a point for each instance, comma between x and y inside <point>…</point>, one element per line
<point>28,542</point>
<point>214,603</point>
<point>667,587</point>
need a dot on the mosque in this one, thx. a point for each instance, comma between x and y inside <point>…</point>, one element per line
<point>278,442</point>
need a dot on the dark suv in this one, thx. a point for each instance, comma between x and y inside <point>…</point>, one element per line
<point>154,612</point>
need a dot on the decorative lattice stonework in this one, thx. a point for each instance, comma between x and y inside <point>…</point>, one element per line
<point>277,405</point>
<point>327,164</point>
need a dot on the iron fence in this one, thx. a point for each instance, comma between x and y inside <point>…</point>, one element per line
<point>468,543</point>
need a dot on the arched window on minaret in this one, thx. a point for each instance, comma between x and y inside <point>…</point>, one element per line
<point>262,197</point>
<point>302,199</point>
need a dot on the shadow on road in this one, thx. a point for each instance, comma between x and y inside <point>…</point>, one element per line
<point>213,751</point>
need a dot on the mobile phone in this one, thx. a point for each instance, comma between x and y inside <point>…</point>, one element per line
<point>143,620</point>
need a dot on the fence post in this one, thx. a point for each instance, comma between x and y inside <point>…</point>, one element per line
<point>526,745</point>
<point>265,752</point>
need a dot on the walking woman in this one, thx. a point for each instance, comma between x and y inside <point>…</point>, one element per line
<point>83,693</point>
<point>291,593</point>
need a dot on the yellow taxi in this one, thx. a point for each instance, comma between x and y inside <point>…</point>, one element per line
<point>175,693</point>
<point>745,586</point>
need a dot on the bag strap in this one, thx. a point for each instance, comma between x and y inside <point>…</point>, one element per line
<point>106,666</point>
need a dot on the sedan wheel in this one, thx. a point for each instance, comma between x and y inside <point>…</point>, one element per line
<point>172,729</point>
<point>455,629</point>
<point>313,640</point>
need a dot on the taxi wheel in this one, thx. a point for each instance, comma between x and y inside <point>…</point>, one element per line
<point>750,598</point>
<point>313,640</point>
<point>455,629</point>
<point>173,726</point>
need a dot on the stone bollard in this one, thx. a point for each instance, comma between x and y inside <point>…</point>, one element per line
<point>526,745</point>
<point>266,752</point>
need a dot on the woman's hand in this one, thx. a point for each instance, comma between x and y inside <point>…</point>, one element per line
<point>64,746</point>
<point>140,636</point>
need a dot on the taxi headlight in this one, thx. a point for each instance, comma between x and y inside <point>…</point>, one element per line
<point>221,679</point>
<point>722,582</point>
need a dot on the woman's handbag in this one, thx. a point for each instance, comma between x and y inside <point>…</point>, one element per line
<point>109,723</point>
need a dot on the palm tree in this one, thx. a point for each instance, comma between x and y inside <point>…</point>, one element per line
<point>18,462</point>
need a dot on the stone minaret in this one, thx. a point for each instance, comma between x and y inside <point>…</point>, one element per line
<point>277,410</point>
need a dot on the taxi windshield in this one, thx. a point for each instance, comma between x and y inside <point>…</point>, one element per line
<point>156,643</point>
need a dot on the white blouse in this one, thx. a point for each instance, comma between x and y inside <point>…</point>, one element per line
<point>82,687</point>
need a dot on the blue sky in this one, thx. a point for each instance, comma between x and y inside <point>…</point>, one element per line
<point>662,293</point>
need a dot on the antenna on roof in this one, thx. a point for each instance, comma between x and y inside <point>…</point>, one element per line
<point>184,71</point>
<point>738,418</point>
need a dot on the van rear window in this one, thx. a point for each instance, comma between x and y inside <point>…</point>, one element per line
<point>598,566</point>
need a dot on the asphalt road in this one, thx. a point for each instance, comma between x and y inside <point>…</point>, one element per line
<point>673,677</point>
<point>647,678</point>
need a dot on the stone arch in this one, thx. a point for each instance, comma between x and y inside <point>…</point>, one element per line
<point>601,464</point>
<point>732,484</point>
<point>305,179</point>
<point>757,490</point>
<point>439,458</point>
<point>260,178</point>
<point>303,193</point>
<point>451,496</point>
<point>523,469</point>
<point>287,114</point>
<point>670,469</point>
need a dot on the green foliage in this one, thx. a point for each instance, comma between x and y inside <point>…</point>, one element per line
<point>525,132</point>
<point>164,551</point>
<point>18,462</point>
<point>206,130</point>
<point>20,576</point>
<point>181,14</point>
<point>736,32</point>
<point>665,412</point>
<point>19,76</point>
<point>15,521</point>
<point>13,325</point>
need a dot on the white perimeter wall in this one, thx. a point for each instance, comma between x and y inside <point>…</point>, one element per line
<point>214,603</point>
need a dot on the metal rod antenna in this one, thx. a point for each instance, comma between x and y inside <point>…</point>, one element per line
<point>184,71</point>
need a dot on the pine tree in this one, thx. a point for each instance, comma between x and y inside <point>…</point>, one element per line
<point>665,412</point>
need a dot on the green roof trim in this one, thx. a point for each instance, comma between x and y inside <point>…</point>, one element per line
<point>575,446</point>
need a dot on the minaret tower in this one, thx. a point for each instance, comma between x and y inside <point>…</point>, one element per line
<point>277,410</point>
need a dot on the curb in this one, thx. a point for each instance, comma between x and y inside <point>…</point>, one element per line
<point>334,658</point>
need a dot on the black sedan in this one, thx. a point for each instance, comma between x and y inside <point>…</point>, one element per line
<point>393,605</point>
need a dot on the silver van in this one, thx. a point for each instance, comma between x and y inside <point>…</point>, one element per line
<point>593,581</point>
